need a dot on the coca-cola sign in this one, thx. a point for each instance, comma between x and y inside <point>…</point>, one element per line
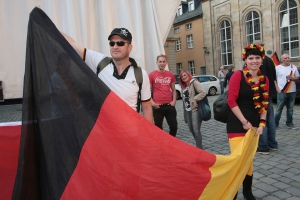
<point>161,80</point>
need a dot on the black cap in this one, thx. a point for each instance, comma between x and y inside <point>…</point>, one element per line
<point>122,32</point>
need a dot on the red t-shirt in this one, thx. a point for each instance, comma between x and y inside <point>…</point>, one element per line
<point>161,86</point>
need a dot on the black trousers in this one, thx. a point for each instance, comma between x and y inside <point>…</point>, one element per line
<point>170,113</point>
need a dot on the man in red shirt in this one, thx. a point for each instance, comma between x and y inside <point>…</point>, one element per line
<point>164,95</point>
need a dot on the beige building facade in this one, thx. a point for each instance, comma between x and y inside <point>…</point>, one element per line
<point>188,31</point>
<point>190,56</point>
<point>230,25</point>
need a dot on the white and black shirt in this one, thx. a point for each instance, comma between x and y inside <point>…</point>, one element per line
<point>125,85</point>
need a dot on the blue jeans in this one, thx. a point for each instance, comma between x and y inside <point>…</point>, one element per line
<point>222,86</point>
<point>267,139</point>
<point>194,125</point>
<point>287,99</point>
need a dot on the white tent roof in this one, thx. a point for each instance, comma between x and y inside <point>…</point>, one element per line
<point>88,22</point>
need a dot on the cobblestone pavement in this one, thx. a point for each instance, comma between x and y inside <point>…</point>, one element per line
<point>276,176</point>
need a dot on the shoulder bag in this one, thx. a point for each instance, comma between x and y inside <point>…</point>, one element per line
<point>203,110</point>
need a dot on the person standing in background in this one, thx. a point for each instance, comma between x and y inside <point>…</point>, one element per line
<point>267,140</point>
<point>192,91</point>
<point>286,74</point>
<point>221,76</point>
<point>163,95</point>
<point>228,76</point>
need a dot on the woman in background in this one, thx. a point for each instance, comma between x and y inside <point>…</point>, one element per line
<point>192,91</point>
<point>248,100</point>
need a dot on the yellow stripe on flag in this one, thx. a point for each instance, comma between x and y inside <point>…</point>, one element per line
<point>229,171</point>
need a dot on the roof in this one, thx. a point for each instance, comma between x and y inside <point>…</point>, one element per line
<point>189,15</point>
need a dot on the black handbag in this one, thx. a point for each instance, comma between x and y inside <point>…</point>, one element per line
<point>203,110</point>
<point>221,109</point>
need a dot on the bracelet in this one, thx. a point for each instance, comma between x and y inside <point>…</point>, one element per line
<point>262,122</point>
<point>245,123</point>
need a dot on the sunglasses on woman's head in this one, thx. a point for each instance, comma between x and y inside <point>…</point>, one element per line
<point>119,43</point>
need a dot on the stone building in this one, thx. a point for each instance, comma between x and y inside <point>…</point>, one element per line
<point>212,33</point>
<point>230,25</point>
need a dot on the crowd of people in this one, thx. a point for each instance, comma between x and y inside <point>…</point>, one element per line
<point>249,92</point>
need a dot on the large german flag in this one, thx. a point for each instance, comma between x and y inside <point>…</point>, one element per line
<point>79,140</point>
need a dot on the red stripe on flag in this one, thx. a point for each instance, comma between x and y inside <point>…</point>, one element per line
<point>9,153</point>
<point>127,157</point>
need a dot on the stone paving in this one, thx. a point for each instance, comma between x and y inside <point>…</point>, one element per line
<point>276,176</point>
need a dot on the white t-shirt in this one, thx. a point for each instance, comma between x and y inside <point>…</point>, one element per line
<point>221,75</point>
<point>127,89</point>
<point>282,72</point>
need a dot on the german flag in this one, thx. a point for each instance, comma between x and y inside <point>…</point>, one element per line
<point>288,86</point>
<point>79,140</point>
<point>9,151</point>
<point>275,59</point>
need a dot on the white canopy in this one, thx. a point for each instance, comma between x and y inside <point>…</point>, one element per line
<point>88,22</point>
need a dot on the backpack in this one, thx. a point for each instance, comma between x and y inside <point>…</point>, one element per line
<point>137,73</point>
<point>221,108</point>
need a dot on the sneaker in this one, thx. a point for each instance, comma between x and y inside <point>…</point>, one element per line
<point>263,151</point>
<point>273,149</point>
<point>291,126</point>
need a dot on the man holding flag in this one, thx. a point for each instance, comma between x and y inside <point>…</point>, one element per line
<point>286,74</point>
<point>119,74</point>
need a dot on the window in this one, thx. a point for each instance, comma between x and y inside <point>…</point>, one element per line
<point>226,51</point>
<point>178,44</point>
<point>189,40</point>
<point>203,70</point>
<point>178,67</point>
<point>179,11</point>
<point>252,27</point>
<point>203,79</point>
<point>176,30</point>
<point>191,5</point>
<point>188,26</point>
<point>191,67</point>
<point>288,20</point>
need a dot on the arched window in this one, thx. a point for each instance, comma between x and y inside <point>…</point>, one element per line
<point>288,21</point>
<point>225,39</point>
<point>252,27</point>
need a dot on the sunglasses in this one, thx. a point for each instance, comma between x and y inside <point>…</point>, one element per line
<point>119,43</point>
